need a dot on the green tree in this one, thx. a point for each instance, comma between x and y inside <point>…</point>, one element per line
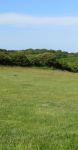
<point>47,59</point>
<point>20,59</point>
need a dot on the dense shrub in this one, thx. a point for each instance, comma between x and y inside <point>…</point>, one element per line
<point>40,57</point>
<point>61,55</point>
<point>35,61</point>
<point>47,59</point>
<point>64,65</point>
<point>20,59</point>
<point>4,59</point>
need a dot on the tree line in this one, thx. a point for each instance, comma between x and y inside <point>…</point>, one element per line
<point>38,57</point>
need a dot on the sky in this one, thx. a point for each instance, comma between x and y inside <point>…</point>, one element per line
<point>39,24</point>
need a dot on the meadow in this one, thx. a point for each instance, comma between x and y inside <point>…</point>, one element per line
<point>38,109</point>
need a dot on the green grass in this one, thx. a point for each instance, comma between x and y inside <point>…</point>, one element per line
<point>38,109</point>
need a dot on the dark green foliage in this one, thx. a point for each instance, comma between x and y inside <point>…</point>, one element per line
<point>64,65</point>
<point>61,55</point>
<point>59,51</point>
<point>47,59</point>
<point>40,57</point>
<point>20,59</point>
<point>37,51</point>
<point>4,59</point>
<point>35,61</point>
<point>3,51</point>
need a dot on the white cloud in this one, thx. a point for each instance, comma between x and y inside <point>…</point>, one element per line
<point>25,20</point>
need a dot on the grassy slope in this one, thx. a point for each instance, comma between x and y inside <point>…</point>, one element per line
<point>38,109</point>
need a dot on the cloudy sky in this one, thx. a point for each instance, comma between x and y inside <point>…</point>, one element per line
<point>39,24</point>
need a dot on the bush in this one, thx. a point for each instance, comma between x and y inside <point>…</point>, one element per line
<point>20,59</point>
<point>35,61</point>
<point>47,59</point>
<point>4,59</point>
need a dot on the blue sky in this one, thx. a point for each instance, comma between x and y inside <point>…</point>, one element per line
<point>39,24</point>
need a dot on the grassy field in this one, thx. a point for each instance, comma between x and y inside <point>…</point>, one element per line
<point>38,109</point>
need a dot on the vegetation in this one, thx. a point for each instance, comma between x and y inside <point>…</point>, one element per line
<point>38,109</point>
<point>40,58</point>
